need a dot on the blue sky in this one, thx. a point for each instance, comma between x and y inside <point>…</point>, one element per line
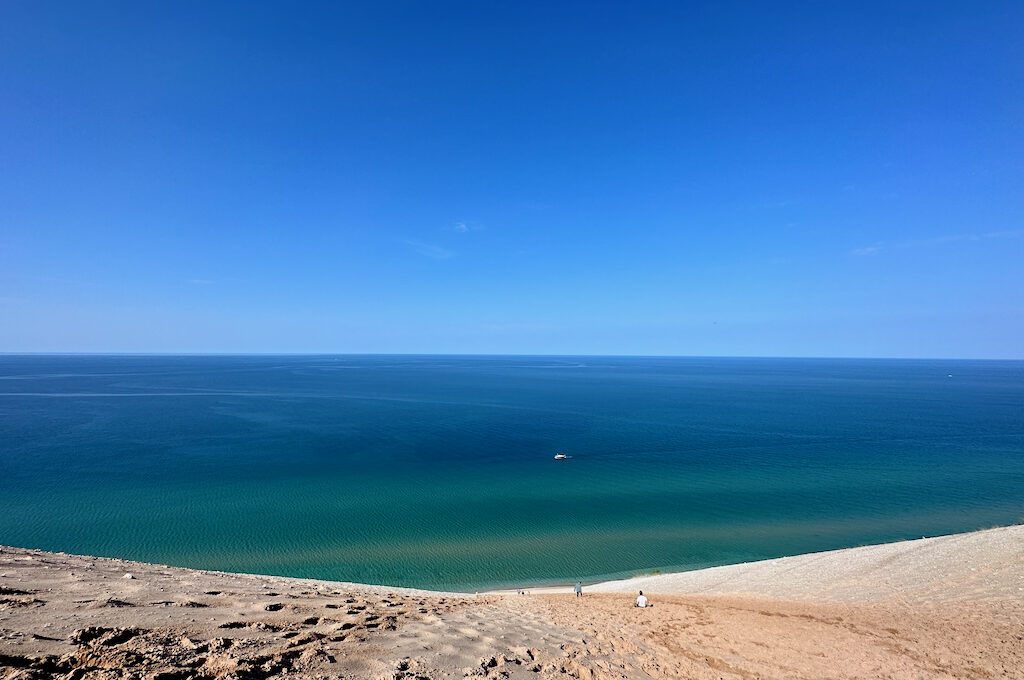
<point>793,179</point>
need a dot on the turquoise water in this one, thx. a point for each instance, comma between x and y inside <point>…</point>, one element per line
<point>438,471</point>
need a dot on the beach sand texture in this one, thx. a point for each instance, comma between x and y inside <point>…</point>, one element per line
<point>948,607</point>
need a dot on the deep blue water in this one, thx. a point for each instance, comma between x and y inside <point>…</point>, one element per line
<point>438,471</point>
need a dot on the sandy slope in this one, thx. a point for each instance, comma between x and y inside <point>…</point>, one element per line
<point>940,608</point>
<point>974,566</point>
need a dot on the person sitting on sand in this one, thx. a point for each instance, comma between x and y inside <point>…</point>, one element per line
<point>579,589</point>
<point>641,600</point>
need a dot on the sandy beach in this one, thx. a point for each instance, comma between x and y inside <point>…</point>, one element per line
<point>946,607</point>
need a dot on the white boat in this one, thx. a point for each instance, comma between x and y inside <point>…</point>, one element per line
<point>560,456</point>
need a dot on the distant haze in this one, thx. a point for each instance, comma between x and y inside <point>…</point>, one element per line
<point>766,179</point>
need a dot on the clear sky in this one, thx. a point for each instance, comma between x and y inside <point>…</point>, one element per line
<point>753,178</point>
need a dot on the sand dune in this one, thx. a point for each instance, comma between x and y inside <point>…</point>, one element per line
<point>974,566</point>
<point>949,607</point>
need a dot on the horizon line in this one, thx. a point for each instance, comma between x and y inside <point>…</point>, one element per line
<point>504,354</point>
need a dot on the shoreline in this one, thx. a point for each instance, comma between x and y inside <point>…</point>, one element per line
<point>666,581</point>
<point>851,562</point>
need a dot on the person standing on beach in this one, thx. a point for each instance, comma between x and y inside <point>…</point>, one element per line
<point>579,589</point>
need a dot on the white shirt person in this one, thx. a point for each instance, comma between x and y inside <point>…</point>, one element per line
<point>641,600</point>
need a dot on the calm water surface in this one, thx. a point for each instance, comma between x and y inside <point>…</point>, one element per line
<point>438,471</point>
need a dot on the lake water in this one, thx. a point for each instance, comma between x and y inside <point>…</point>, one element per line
<point>437,471</point>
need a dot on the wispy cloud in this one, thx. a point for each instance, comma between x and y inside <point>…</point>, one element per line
<point>936,241</point>
<point>464,227</point>
<point>430,250</point>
